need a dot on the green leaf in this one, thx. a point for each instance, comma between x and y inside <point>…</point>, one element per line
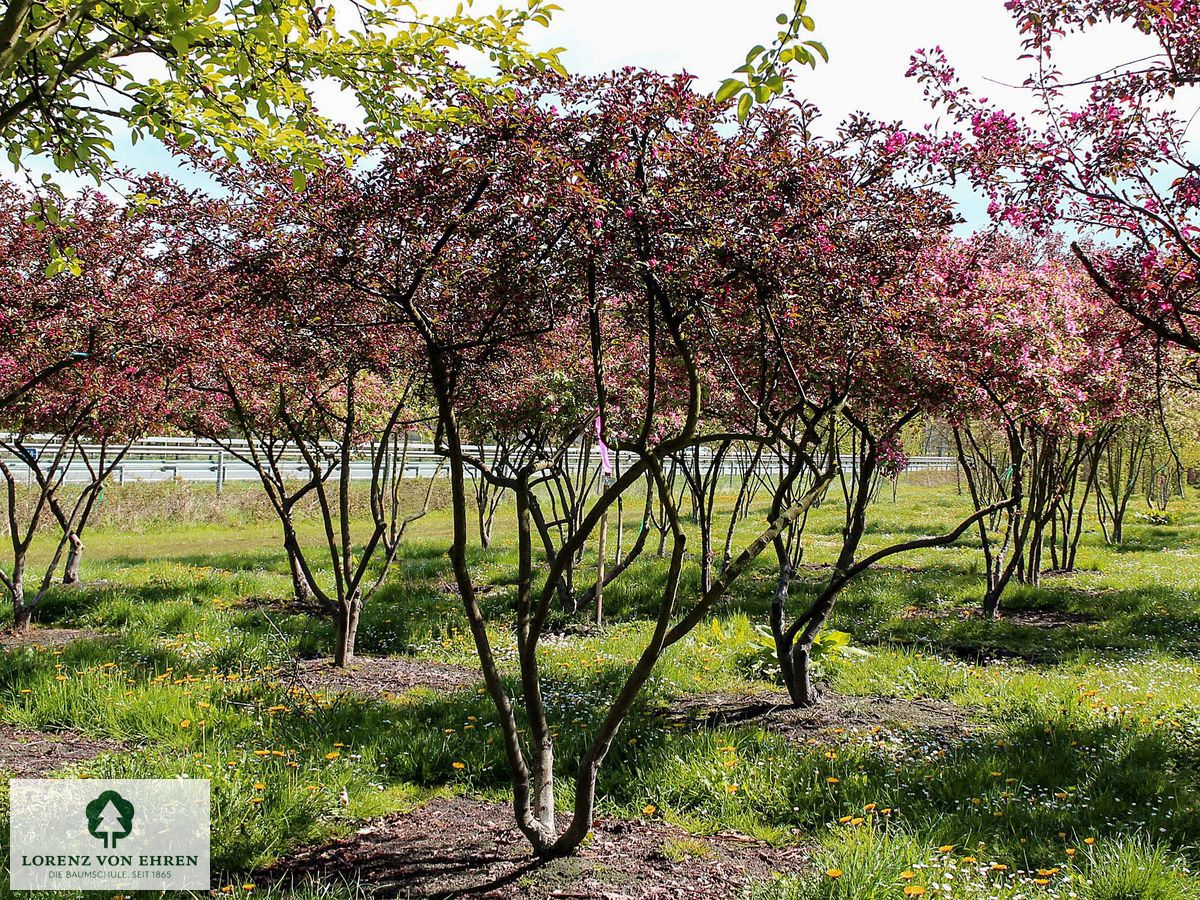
<point>835,638</point>
<point>299,180</point>
<point>729,87</point>
<point>744,105</point>
<point>819,47</point>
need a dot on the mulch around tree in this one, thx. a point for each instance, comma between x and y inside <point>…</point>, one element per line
<point>377,676</point>
<point>834,716</point>
<point>48,637</point>
<point>459,847</point>
<point>29,754</point>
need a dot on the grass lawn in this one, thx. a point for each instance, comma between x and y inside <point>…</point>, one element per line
<point>1054,753</point>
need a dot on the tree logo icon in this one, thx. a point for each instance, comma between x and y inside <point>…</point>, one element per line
<point>110,818</point>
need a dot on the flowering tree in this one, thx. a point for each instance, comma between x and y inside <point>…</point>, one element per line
<point>1107,152</point>
<point>617,203</point>
<point>829,355</point>
<point>1043,366</point>
<point>304,380</point>
<point>99,335</point>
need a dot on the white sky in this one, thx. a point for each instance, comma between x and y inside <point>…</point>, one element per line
<point>869,42</point>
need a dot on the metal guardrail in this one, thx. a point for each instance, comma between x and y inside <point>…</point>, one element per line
<point>196,460</point>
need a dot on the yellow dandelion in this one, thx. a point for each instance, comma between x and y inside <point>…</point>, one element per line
<point>834,873</point>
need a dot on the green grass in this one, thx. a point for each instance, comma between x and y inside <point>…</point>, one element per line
<point>1086,735</point>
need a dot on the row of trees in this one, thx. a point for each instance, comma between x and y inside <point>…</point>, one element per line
<point>608,262</point>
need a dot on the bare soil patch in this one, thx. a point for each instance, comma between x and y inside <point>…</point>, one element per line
<point>288,607</point>
<point>1045,618</point>
<point>377,676</point>
<point>457,847</point>
<point>451,587</point>
<point>1031,618</point>
<point>833,717</point>
<point>48,637</point>
<point>28,754</point>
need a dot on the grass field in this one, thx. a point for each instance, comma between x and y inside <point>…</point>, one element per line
<point>1054,753</point>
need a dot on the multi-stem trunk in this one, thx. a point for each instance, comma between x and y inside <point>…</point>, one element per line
<point>77,522</point>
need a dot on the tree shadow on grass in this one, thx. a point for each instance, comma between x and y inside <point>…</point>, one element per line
<point>78,603</point>
<point>1020,792</point>
<point>1155,539</point>
<point>1058,619</point>
<point>1015,787</point>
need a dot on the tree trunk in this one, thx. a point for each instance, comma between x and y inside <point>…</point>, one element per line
<point>302,590</point>
<point>485,525</point>
<point>800,686</point>
<point>991,599</point>
<point>22,614</point>
<point>74,557</point>
<point>601,549</point>
<point>348,615</point>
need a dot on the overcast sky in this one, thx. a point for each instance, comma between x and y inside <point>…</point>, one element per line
<point>869,42</point>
